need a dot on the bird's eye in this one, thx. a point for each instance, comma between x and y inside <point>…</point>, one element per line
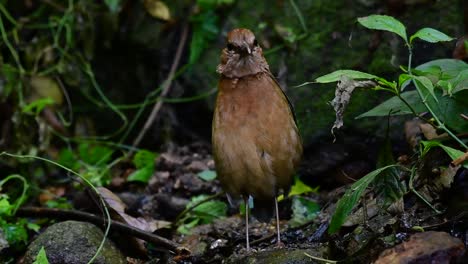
<point>255,42</point>
<point>230,46</point>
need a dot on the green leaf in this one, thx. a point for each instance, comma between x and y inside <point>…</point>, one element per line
<point>207,175</point>
<point>15,233</point>
<point>144,158</point>
<point>41,257</point>
<point>141,175</point>
<point>34,227</point>
<point>449,109</point>
<point>403,80</point>
<point>94,155</point>
<point>426,83</point>
<point>67,158</point>
<point>299,188</point>
<point>459,83</point>
<point>450,68</point>
<point>430,35</point>
<point>303,211</point>
<point>350,199</point>
<point>186,228</point>
<point>209,210</point>
<point>5,207</point>
<point>453,153</point>
<point>387,23</point>
<point>36,107</point>
<point>336,76</point>
<point>394,106</point>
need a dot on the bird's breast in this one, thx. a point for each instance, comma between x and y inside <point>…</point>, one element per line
<point>256,145</point>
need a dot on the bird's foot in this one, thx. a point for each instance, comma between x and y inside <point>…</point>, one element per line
<point>279,245</point>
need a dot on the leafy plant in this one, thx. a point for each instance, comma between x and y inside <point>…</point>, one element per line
<point>203,213</point>
<point>440,87</point>
<point>14,230</point>
<point>91,160</point>
<point>144,161</point>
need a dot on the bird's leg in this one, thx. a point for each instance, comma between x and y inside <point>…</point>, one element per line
<point>246,200</point>
<point>278,238</point>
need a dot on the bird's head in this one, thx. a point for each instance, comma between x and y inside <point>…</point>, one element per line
<point>242,55</point>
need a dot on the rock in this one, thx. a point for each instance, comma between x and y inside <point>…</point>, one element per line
<point>426,247</point>
<point>73,242</point>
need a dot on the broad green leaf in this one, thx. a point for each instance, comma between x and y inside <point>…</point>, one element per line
<point>446,86</point>
<point>350,199</point>
<point>41,257</point>
<point>207,175</point>
<point>336,76</point>
<point>449,68</point>
<point>449,109</point>
<point>424,82</point>
<point>460,82</point>
<point>141,175</point>
<point>430,35</point>
<point>207,211</point>
<point>144,158</point>
<point>453,153</point>
<point>394,106</point>
<point>403,80</point>
<point>387,23</point>
<point>303,210</point>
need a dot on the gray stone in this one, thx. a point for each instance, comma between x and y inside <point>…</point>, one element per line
<point>73,242</point>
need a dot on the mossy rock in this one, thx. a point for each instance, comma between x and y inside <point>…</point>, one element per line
<point>73,242</point>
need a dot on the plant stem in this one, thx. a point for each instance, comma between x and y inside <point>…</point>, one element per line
<point>440,124</point>
<point>418,194</point>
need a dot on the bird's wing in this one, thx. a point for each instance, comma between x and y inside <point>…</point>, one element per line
<point>287,98</point>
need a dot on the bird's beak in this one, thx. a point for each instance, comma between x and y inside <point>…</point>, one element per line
<point>246,48</point>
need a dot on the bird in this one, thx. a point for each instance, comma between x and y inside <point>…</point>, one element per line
<point>255,138</point>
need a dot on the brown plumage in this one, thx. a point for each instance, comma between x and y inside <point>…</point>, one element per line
<point>256,143</point>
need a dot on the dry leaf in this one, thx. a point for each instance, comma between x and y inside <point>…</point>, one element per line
<point>157,9</point>
<point>44,87</point>
<point>430,132</point>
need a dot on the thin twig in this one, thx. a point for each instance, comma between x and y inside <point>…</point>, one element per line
<point>166,85</point>
<point>115,226</point>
